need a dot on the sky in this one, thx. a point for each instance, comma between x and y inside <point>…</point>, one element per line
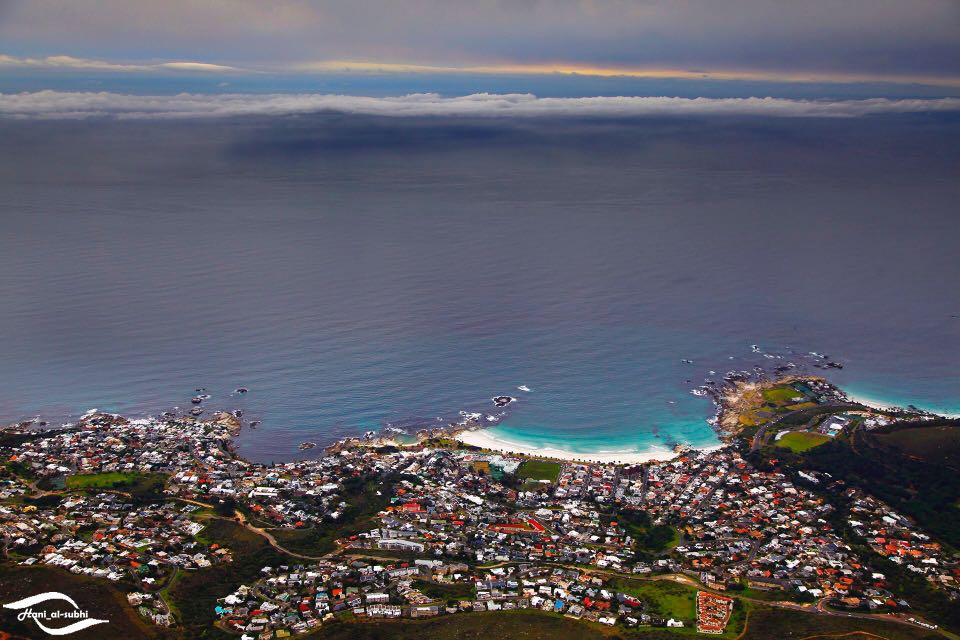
<point>888,41</point>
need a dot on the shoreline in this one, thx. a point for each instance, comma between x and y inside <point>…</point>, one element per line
<point>729,401</point>
<point>481,438</point>
<point>882,405</point>
<point>727,398</point>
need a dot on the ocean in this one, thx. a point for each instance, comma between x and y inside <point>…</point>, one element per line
<point>356,273</point>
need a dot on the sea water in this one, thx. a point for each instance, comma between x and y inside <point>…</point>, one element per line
<point>359,273</point>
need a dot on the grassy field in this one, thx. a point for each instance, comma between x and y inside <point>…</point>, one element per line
<point>539,470</point>
<point>679,601</point>
<point>781,395</point>
<point>141,486</point>
<point>100,480</point>
<point>800,441</point>
<point>666,599</point>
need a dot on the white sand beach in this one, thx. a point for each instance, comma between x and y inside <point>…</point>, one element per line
<point>880,405</point>
<point>482,438</point>
<point>868,402</point>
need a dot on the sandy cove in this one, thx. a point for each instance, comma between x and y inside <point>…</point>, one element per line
<point>482,438</point>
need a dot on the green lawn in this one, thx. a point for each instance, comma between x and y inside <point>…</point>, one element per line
<point>141,486</point>
<point>99,480</point>
<point>781,395</point>
<point>666,599</point>
<point>800,441</point>
<point>539,470</point>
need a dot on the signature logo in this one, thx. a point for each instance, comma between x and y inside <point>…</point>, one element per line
<point>82,617</point>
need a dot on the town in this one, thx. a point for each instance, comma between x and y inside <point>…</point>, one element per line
<point>438,529</point>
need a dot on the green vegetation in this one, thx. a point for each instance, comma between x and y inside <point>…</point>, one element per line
<point>668,599</point>
<point>800,441</point>
<point>449,593</point>
<point>802,417</point>
<point>539,470</point>
<point>781,395</point>
<point>926,600</point>
<point>932,603</point>
<point>933,445</point>
<point>141,486</point>
<point>18,469</point>
<point>193,594</point>
<point>665,598</point>
<point>43,501</point>
<point>915,469</point>
<point>750,419</point>
<point>363,505</point>
<point>652,540</point>
<point>14,439</point>
<point>100,480</point>
<point>448,443</point>
<point>52,483</point>
<point>526,624</point>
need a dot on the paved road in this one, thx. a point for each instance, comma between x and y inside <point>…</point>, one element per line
<point>819,608</point>
<point>759,438</point>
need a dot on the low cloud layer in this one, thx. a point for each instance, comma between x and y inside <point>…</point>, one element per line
<point>79,105</point>
<point>87,64</point>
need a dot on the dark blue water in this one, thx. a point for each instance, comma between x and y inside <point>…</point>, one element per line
<point>357,272</point>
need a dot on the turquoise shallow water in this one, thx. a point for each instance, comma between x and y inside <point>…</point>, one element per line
<point>356,273</point>
<point>877,395</point>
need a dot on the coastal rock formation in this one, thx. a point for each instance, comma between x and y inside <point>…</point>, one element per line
<point>228,420</point>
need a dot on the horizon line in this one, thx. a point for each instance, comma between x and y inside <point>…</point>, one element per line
<point>570,69</point>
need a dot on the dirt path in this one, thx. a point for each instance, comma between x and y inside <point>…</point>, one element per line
<point>242,520</point>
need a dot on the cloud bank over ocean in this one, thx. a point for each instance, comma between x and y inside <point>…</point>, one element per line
<point>80,105</point>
